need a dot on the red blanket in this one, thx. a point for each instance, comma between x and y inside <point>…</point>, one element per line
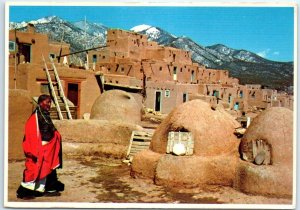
<point>40,159</point>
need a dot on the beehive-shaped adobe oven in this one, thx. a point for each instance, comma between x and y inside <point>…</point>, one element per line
<point>212,129</point>
<point>273,127</point>
<point>267,148</point>
<point>116,105</point>
<point>215,148</point>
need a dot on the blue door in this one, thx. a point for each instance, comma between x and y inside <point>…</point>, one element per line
<point>236,106</point>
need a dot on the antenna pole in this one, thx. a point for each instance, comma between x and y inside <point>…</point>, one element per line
<point>86,53</point>
<point>16,66</point>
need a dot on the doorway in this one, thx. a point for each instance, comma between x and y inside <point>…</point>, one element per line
<point>25,52</point>
<point>175,73</point>
<point>157,101</point>
<point>236,106</point>
<point>72,95</point>
<point>193,76</point>
<point>184,97</point>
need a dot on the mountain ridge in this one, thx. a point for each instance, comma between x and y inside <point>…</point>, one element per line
<point>247,66</point>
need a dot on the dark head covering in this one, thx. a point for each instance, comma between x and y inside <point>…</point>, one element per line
<point>43,97</point>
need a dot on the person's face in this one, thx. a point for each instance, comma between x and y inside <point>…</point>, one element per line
<point>45,104</point>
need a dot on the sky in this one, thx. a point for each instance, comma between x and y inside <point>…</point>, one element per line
<point>267,31</point>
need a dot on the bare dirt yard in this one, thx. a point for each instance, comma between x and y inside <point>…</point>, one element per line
<point>105,180</point>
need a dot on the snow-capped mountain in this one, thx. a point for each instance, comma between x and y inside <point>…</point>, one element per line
<point>59,29</point>
<point>154,34</point>
<point>243,64</point>
<point>93,29</point>
<point>13,25</point>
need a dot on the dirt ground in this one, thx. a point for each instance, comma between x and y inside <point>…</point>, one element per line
<point>103,180</point>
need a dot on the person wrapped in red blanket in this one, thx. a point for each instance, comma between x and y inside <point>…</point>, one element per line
<point>43,152</point>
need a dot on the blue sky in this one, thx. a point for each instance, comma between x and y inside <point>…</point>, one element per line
<point>267,31</point>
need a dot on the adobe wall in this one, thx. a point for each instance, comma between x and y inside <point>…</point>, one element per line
<point>175,97</point>
<point>39,43</point>
<point>209,76</point>
<point>233,81</point>
<point>173,55</point>
<point>30,77</point>
<point>95,137</point>
<point>132,43</point>
<point>185,89</point>
<point>227,94</point>
<point>117,79</point>
<point>209,99</point>
<point>285,101</point>
<point>158,71</point>
<point>255,98</point>
<point>55,47</point>
<point>167,103</point>
<point>20,109</point>
<point>253,86</point>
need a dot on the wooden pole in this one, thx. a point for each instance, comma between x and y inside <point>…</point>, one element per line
<point>16,66</point>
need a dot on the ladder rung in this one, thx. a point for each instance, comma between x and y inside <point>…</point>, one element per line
<point>57,91</point>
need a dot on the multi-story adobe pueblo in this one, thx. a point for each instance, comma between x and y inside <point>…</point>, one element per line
<point>160,77</point>
<point>172,78</point>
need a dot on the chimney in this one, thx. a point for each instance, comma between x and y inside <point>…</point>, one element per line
<point>30,28</point>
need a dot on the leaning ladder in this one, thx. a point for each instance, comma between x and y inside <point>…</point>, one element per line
<point>140,140</point>
<point>60,91</point>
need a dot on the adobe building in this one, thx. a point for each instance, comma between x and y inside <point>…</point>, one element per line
<point>26,69</point>
<point>160,77</point>
<point>27,80</point>
<point>168,76</point>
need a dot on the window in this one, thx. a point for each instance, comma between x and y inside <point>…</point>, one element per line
<point>216,93</point>
<point>160,68</point>
<point>52,55</point>
<point>94,58</point>
<point>167,93</point>
<point>175,70</point>
<point>44,88</point>
<point>193,76</point>
<point>241,94</point>
<point>12,46</point>
<point>229,98</point>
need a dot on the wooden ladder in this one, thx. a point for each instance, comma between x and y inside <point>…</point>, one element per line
<point>59,89</point>
<point>140,140</point>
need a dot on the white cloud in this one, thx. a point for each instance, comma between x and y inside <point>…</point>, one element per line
<point>264,53</point>
<point>276,53</point>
